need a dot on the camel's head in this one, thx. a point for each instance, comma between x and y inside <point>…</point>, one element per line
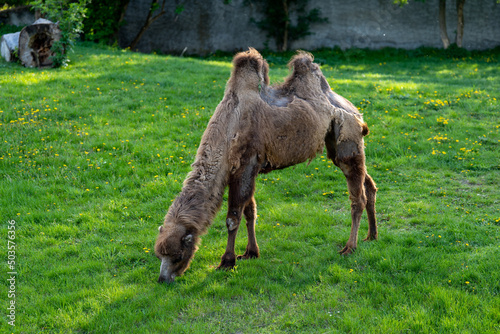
<point>306,76</point>
<point>250,70</point>
<point>175,247</point>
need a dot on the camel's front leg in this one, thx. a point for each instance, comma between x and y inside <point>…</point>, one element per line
<point>250,213</point>
<point>241,189</point>
<point>233,219</point>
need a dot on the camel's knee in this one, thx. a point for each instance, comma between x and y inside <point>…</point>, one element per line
<point>232,223</point>
<point>358,204</point>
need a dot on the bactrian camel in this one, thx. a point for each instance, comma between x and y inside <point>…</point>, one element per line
<point>255,129</point>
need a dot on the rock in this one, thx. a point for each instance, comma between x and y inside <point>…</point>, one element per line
<point>9,45</point>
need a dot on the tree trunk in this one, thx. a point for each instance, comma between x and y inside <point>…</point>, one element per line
<point>460,23</point>
<point>149,20</point>
<point>284,47</point>
<point>442,24</point>
<point>120,21</point>
<point>35,42</point>
<point>9,46</point>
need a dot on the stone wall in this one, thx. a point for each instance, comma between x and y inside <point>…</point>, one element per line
<point>20,16</point>
<point>206,26</point>
<point>203,26</point>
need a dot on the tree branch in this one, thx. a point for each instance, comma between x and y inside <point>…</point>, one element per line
<point>149,20</point>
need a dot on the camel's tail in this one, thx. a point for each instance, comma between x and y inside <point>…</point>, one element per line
<point>365,131</point>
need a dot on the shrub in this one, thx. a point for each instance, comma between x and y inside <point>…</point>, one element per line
<point>103,20</point>
<point>69,16</point>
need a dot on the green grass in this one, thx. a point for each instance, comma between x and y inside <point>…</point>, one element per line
<point>92,155</point>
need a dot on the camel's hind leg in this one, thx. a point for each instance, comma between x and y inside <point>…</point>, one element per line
<point>355,173</point>
<point>241,189</point>
<point>371,196</point>
<point>250,213</point>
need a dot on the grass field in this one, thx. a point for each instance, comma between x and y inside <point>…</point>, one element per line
<point>92,155</point>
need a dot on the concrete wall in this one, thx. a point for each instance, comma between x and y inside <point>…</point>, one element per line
<point>380,23</point>
<point>204,26</point>
<point>209,25</point>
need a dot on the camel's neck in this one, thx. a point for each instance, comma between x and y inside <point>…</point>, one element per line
<point>200,199</point>
<point>207,182</point>
<point>203,189</point>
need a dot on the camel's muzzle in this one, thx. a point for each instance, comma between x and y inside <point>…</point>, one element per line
<point>166,274</point>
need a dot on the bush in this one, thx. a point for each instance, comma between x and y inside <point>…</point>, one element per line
<point>103,20</point>
<point>70,17</point>
<point>9,29</point>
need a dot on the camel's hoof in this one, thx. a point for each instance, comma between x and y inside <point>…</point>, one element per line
<point>371,237</point>
<point>248,255</point>
<point>223,266</point>
<point>227,263</point>
<point>347,251</point>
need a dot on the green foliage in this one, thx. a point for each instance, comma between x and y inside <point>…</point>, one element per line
<point>179,9</point>
<point>277,22</point>
<point>92,155</point>
<point>102,20</point>
<point>69,15</point>
<point>14,3</point>
<point>453,51</point>
<point>401,3</point>
<point>155,5</point>
<point>8,29</point>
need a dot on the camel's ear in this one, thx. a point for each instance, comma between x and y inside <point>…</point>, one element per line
<point>188,239</point>
<point>160,228</point>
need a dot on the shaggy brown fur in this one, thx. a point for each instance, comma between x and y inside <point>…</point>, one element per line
<point>201,196</point>
<point>344,138</point>
<point>250,134</point>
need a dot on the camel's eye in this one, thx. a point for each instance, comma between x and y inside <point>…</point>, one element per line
<point>187,240</point>
<point>176,259</point>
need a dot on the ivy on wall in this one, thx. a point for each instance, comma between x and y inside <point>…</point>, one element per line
<point>277,21</point>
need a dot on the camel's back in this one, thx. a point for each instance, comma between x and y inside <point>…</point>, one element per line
<point>293,134</point>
